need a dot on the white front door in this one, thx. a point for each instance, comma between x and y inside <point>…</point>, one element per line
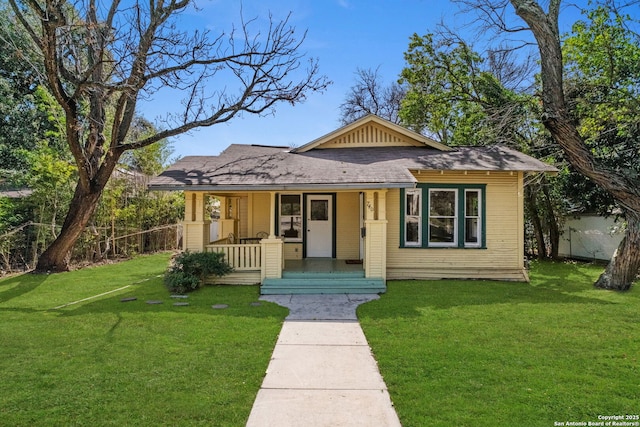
<point>319,239</point>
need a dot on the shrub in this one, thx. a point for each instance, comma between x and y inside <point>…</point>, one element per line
<point>189,269</point>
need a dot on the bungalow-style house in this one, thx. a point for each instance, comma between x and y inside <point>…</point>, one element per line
<point>369,202</point>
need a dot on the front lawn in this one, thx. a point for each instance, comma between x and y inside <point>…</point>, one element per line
<point>481,353</point>
<point>106,362</point>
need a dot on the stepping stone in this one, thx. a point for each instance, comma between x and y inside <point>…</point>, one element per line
<point>255,304</point>
<point>128,299</point>
<point>153,301</point>
<point>219,306</point>
<point>179,296</point>
<point>180,304</point>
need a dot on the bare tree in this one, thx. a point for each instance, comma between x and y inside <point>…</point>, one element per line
<point>557,118</point>
<point>369,95</point>
<point>101,58</point>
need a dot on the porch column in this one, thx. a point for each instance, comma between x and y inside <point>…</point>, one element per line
<point>272,258</point>
<point>196,226</point>
<point>226,224</point>
<point>272,215</point>
<point>375,262</point>
<point>272,251</point>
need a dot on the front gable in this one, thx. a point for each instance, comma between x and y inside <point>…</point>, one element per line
<point>371,131</point>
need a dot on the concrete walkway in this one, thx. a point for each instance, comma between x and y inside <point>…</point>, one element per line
<point>322,372</point>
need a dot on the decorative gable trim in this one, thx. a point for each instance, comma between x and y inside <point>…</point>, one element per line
<point>370,135</point>
<point>371,131</point>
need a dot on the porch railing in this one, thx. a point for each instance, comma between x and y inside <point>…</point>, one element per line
<point>240,257</point>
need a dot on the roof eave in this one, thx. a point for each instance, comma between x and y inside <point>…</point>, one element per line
<point>283,187</point>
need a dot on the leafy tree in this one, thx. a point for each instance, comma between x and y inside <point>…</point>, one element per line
<point>99,56</point>
<point>441,76</point>
<point>465,98</point>
<point>25,118</point>
<point>602,88</point>
<point>459,95</point>
<point>127,205</point>
<point>51,180</point>
<point>613,78</point>
<point>149,160</point>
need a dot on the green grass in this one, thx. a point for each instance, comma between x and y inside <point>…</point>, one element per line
<point>481,353</point>
<point>453,353</point>
<point>104,362</point>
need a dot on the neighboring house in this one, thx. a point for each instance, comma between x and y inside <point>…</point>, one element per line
<point>387,202</point>
<point>591,237</point>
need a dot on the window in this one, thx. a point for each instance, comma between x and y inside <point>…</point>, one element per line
<point>413,217</point>
<point>290,216</point>
<point>442,217</point>
<point>472,218</point>
<point>319,210</point>
<point>454,216</point>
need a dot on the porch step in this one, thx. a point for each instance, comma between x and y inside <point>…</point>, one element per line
<point>332,284</point>
<point>306,275</point>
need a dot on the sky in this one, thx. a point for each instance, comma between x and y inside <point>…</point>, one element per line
<point>343,35</point>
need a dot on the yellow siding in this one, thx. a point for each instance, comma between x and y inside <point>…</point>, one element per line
<point>293,251</point>
<point>235,278</point>
<point>272,258</point>
<point>195,226</point>
<point>225,227</point>
<point>375,264</point>
<point>347,226</point>
<point>260,213</point>
<point>502,259</point>
<point>243,217</point>
<point>194,235</point>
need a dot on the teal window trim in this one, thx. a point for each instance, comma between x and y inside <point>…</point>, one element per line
<point>460,216</point>
<point>403,195</point>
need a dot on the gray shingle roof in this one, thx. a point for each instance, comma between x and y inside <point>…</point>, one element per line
<point>249,167</point>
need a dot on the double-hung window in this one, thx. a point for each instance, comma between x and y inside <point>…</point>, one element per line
<point>472,218</point>
<point>448,216</point>
<point>413,217</point>
<point>443,219</point>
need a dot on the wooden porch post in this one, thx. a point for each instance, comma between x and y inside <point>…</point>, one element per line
<point>196,225</point>
<point>375,263</point>
<point>226,224</point>
<point>272,215</point>
<point>272,247</point>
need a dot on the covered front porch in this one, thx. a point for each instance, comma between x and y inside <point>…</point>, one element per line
<point>321,242</point>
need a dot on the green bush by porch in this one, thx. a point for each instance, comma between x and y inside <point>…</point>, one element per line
<point>190,269</point>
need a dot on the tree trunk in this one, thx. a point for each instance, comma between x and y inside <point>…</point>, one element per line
<point>535,221</point>
<point>57,256</point>
<point>623,268</point>
<point>552,221</point>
